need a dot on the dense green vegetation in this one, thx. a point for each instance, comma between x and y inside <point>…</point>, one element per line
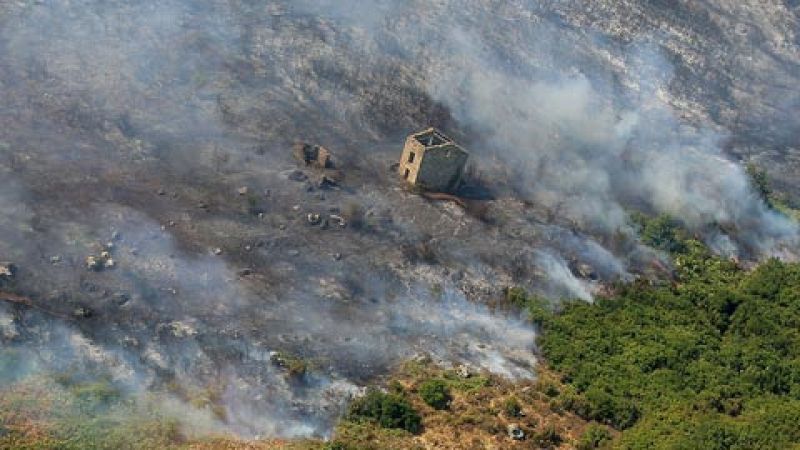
<point>435,394</point>
<point>711,361</point>
<point>389,410</point>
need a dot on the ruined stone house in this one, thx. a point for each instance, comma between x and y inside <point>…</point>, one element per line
<point>312,155</point>
<point>432,161</point>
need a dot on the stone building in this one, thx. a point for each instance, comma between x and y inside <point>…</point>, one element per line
<point>312,155</point>
<point>433,161</point>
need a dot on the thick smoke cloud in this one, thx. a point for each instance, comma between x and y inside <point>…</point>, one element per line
<point>580,143</point>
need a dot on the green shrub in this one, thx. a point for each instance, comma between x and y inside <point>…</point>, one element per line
<point>760,182</point>
<point>512,407</point>
<point>386,410</point>
<point>547,438</point>
<point>594,437</point>
<point>551,390</point>
<point>661,232</point>
<point>395,387</point>
<point>538,309</point>
<point>435,394</point>
<point>295,367</point>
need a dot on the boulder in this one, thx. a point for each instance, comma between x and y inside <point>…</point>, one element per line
<point>82,313</point>
<point>297,175</point>
<point>515,432</point>
<point>7,270</point>
<point>93,263</point>
<point>314,219</point>
<point>327,183</point>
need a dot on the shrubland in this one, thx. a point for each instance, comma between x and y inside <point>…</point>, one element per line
<point>709,361</point>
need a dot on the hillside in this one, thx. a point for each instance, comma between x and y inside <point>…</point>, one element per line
<point>171,274</point>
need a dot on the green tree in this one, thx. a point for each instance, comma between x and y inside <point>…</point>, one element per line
<point>760,181</point>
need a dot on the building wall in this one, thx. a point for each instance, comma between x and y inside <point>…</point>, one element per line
<point>410,170</point>
<point>441,168</point>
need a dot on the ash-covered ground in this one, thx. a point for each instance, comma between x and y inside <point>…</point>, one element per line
<point>161,133</point>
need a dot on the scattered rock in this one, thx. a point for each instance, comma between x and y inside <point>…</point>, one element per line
<point>98,263</point>
<point>327,183</point>
<point>55,259</point>
<point>93,263</point>
<point>217,251</point>
<point>463,371</point>
<point>293,252</point>
<point>161,192</point>
<point>297,175</point>
<point>339,220</point>
<point>515,432</point>
<point>81,312</point>
<point>7,270</point>
<point>242,190</point>
<point>337,256</point>
<point>182,329</point>
<point>244,272</point>
<point>121,299</point>
<point>314,219</point>
<point>586,271</point>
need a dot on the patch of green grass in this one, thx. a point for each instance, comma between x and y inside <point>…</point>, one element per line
<point>370,436</point>
<point>470,384</point>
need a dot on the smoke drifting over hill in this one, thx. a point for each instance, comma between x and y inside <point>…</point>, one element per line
<point>136,124</point>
